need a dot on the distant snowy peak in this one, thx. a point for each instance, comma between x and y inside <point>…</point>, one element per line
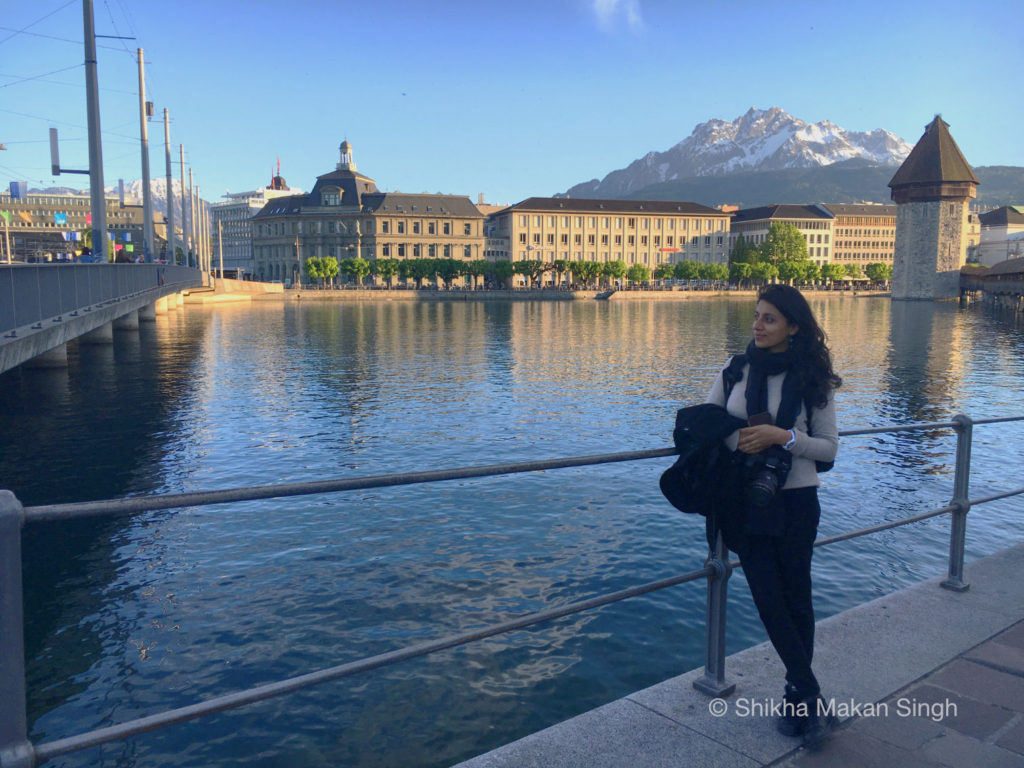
<point>760,140</point>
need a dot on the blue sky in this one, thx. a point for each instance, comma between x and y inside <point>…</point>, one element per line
<point>510,99</point>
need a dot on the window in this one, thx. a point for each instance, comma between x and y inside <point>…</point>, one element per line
<point>447,227</point>
<point>416,251</point>
<point>401,229</point>
<point>467,229</point>
<point>522,238</point>
<point>590,239</point>
<point>536,238</point>
<point>565,239</point>
<point>432,250</point>
<point>604,239</point>
<point>447,251</point>
<point>431,228</point>
<point>401,250</point>
<point>618,239</point>
<point>467,250</point>
<point>415,227</point>
<point>551,239</point>
<point>631,223</point>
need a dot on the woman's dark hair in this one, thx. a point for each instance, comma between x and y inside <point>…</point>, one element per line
<point>814,361</point>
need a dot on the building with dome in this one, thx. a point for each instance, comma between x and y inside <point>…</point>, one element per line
<point>345,216</point>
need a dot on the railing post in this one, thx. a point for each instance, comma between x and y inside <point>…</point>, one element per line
<point>15,749</point>
<point>961,500</point>
<point>713,682</point>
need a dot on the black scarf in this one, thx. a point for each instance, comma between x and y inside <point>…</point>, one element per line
<point>762,365</point>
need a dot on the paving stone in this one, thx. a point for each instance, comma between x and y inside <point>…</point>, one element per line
<point>1014,636</point>
<point>902,732</point>
<point>981,683</point>
<point>958,751</point>
<point>1013,739</point>
<point>848,749</point>
<point>1006,658</point>
<point>961,713</point>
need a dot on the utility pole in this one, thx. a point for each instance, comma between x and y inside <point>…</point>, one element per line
<point>170,192</point>
<point>184,232</point>
<point>97,196</point>
<point>192,218</point>
<point>148,235</point>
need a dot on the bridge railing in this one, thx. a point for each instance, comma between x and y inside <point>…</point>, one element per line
<point>16,751</point>
<point>32,293</point>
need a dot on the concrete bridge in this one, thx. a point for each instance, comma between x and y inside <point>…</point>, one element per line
<point>44,306</point>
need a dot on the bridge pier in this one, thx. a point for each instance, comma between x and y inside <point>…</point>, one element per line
<point>148,312</point>
<point>102,335</point>
<point>128,322</point>
<point>160,306</point>
<point>52,358</point>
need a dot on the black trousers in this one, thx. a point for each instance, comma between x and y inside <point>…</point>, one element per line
<point>778,571</point>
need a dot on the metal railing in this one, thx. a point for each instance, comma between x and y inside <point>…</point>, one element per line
<point>16,751</point>
<point>32,293</point>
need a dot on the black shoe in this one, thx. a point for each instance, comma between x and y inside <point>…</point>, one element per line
<point>819,724</point>
<point>793,720</point>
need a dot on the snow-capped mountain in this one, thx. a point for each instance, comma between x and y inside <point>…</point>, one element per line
<point>760,140</point>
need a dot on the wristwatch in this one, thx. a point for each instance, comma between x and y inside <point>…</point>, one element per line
<point>788,445</point>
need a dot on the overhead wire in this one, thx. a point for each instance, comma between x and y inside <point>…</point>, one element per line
<point>41,18</point>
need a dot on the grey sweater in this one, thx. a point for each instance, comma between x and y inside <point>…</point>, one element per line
<point>807,449</point>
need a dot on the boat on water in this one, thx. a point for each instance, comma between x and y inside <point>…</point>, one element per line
<point>605,294</point>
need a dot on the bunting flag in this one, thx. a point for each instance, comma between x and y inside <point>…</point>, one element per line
<point>88,219</point>
<point>60,219</point>
<point>76,236</point>
<point>6,215</point>
<point>25,216</point>
<point>127,237</point>
<point>66,236</point>
<point>130,248</point>
<point>118,246</point>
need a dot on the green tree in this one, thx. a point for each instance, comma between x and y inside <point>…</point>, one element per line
<point>503,271</point>
<point>638,273</point>
<point>387,270</point>
<point>312,268</point>
<point>586,271</point>
<point>447,270</point>
<point>832,271</point>
<point>790,269</point>
<point>614,270</point>
<point>812,272</point>
<point>853,270</point>
<point>878,272</point>
<point>329,268</point>
<point>476,268</point>
<point>664,271</point>
<point>784,242</point>
<point>420,269</point>
<point>740,271</point>
<point>533,269</point>
<point>687,270</point>
<point>763,271</point>
<point>744,252</point>
<point>713,271</point>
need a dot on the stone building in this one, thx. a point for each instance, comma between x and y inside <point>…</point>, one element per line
<point>345,216</point>
<point>646,232</point>
<point>932,191</point>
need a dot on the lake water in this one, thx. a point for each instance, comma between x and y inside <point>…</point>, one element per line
<point>128,617</point>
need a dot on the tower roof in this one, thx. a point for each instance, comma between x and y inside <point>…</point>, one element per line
<point>935,159</point>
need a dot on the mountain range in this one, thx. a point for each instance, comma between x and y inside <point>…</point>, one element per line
<point>769,156</point>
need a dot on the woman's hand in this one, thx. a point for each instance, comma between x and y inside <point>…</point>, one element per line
<point>761,437</point>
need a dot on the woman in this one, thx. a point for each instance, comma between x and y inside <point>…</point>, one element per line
<point>786,372</point>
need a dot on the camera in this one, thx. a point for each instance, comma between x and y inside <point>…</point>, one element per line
<point>767,473</point>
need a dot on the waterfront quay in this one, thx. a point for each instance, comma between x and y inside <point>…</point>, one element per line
<point>923,677</point>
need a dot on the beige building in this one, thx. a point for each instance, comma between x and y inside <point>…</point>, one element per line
<point>1001,236</point>
<point>345,216</point>
<point>815,223</point>
<point>646,232</point>
<point>863,234</point>
<point>43,227</point>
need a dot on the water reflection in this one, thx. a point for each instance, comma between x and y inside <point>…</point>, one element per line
<point>136,615</point>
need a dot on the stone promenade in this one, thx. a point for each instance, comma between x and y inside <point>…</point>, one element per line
<point>922,677</point>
